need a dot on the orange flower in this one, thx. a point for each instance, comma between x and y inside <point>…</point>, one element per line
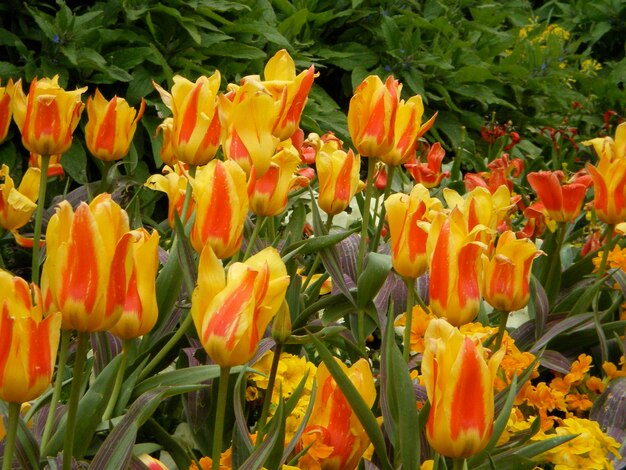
<point>372,116</point>
<point>28,342</point>
<point>80,248</point>
<point>5,109</point>
<point>232,310</point>
<point>196,130</point>
<point>47,116</point>
<point>219,190</point>
<point>110,126</point>
<point>54,164</point>
<point>132,283</point>
<point>562,202</point>
<point>429,174</point>
<point>459,383</point>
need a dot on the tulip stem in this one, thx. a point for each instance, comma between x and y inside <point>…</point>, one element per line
<point>381,221</point>
<point>104,186</point>
<point>41,201</point>
<point>504,316</point>
<point>371,168</point>
<point>188,192</point>
<point>268,394</point>
<point>318,257</point>
<point>184,326</point>
<point>14,417</point>
<point>608,246</point>
<point>72,411</point>
<point>410,301</point>
<point>459,464</point>
<point>119,379</point>
<point>219,417</point>
<point>260,221</point>
<point>553,278</point>
<point>58,386</point>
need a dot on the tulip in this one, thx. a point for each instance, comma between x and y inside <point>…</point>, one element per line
<point>219,190</point>
<point>132,283</point>
<point>54,165</point>
<point>80,249</point>
<point>459,383</point>
<point>172,182</point>
<point>248,116</point>
<point>481,207</point>
<point>333,426</point>
<point>196,130</point>
<point>429,174</point>
<point>562,202</point>
<point>29,342</point>
<point>338,175</point>
<point>110,126</point>
<point>506,274</point>
<point>232,310</point>
<point>47,116</point>
<point>372,116</point>
<point>609,177</point>
<point>17,205</point>
<point>455,268</point>
<point>268,194</point>
<point>167,148</point>
<point>409,218</point>
<point>289,91</point>
<point>5,109</point>
<point>408,128</point>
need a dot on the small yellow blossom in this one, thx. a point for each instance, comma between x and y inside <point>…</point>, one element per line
<point>419,323</point>
<point>595,385</point>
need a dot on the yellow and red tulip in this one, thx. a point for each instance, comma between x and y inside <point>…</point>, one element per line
<point>506,275</point>
<point>54,164</point>
<point>481,207</point>
<point>132,283</point>
<point>334,432</point>
<point>196,131</point>
<point>111,126</point>
<point>167,148</point>
<point>338,175</point>
<point>232,310</point>
<point>248,116</point>
<point>459,383</point>
<point>5,109</point>
<point>372,116</point>
<point>609,177</point>
<point>47,116</point>
<point>409,217</point>
<point>17,204</point>
<point>562,202</point>
<point>429,174</point>
<point>268,194</point>
<point>219,190</point>
<point>408,128</point>
<point>80,248</point>
<point>28,341</point>
<point>455,268</point>
<point>173,182</point>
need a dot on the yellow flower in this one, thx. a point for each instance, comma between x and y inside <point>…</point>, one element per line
<point>419,324</point>
<point>579,368</point>
<point>17,204</point>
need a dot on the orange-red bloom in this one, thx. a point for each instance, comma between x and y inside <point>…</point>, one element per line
<point>5,109</point>
<point>562,202</point>
<point>232,310</point>
<point>459,383</point>
<point>111,126</point>
<point>429,174</point>
<point>54,164</point>
<point>47,116</point>
<point>28,341</point>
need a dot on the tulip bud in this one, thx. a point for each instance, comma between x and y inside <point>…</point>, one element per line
<point>281,327</point>
<point>338,174</point>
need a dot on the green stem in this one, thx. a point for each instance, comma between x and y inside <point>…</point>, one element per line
<point>260,221</point>
<point>271,228</point>
<point>318,257</point>
<point>41,201</point>
<point>119,379</point>
<point>184,326</point>
<point>58,385</point>
<point>504,316</point>
<point>72,411</point>
<point>188,193</point>
<point>381,220</point>
<point>553,278</point>
<point>608,236</point>
<point>219,417</point>
<point>14,417</point>
<point>458,464</point>
<point>371,168</point>
<point>104,186</point>
<point>410,301</point>
<point>268,394</point>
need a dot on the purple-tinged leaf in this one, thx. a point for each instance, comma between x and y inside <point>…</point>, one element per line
<point>539,306</point>
<point>609,410</point>
<point>560,327</point>
<point>105,347</point>
<point>555,361</point>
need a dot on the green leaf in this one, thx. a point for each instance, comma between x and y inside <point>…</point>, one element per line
<point>236,50</point>
<point>188,376</point>
<point>317,243</point>
<point>377,268</point>
<point>258,458</point>
<point>74,162</point>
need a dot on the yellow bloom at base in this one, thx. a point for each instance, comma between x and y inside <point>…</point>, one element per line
<point>232,310</point>
<point>338,175</point>
<point>132,285</point>
<point>335,434</point>
<point>29,341</point>
<point>459,383</point>
<point>47,116</point>
<point>17,204</point>
<point>219,191</point>
<point>111,126</point>
<point>173,182</point>
<point>80,247</point>
<point>196,130</point>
